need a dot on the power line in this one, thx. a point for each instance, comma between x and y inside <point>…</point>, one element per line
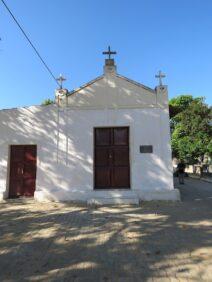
<point>30,42</point>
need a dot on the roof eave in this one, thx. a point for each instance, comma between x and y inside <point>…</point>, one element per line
<point>102,76</point>
<point>136,83</point>
<point>86,85</point>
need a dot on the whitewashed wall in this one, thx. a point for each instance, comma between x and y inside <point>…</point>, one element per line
<point>65,152</point>
<point>64,139</point>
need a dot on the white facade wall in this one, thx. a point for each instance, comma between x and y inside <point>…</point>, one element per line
<point>65,141</point>
<point>65,149</point>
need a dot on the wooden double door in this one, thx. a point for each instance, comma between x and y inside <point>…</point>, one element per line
<point>22,170</point>
<point>111,160</point>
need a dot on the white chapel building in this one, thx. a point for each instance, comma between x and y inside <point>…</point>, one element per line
<point>106,142</point>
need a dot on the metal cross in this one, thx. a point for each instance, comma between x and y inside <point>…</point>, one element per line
<point>109,52</point>
<point>60,80</point>
<point>160,75</point>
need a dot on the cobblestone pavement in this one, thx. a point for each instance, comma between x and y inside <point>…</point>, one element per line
<point>158,241</point>
<point>194,189</point>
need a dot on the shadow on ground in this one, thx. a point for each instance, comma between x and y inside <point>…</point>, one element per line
<point>64,242</point>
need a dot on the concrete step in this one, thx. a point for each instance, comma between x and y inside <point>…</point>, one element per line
<point>113,197</point>
<point>113,201</point>
<point>113,193</point>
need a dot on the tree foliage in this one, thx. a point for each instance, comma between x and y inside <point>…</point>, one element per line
<point>47,102</point>
<point>190,121</point>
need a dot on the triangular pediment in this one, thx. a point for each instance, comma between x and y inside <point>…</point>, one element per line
<point>112,91</point>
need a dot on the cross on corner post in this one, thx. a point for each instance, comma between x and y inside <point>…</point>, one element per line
<point>160,75</point>
<point>60,80</point>
<point>109,53</point>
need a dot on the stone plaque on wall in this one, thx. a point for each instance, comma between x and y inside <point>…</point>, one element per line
<point>146,149</point>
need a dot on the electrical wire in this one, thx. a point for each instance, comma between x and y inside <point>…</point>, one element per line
<point>30,42</point>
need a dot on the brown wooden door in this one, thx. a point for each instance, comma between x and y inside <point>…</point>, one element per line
<point>22,170</point>
<point>112,169</point>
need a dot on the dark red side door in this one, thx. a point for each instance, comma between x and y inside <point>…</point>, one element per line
<point>23,160</point>
<point>111,160</point>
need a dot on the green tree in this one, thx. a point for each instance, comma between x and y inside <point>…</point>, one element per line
<point>179,104</point>
<point>191,130</point>
<point>47,102</point>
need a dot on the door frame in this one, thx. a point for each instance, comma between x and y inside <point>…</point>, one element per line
<point>129,138</point>
<point>7,192</point>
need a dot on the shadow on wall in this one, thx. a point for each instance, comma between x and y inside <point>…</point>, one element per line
<point>113,91</point>
<point>61,164</point>
<point>64,242</point>
<point>39,125</point>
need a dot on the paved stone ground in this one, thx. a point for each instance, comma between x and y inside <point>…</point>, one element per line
<point>195,190</point>
<point>156,241</point>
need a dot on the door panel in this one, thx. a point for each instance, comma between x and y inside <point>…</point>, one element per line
<point>28,184</point>
<point>120,136</point>
<point>102,156</point>
<point>121,157</point>
<point>102,179</point>
<point>102,136</point>
<point>22,170</point>
<point>17,153</point>
<point>16,170</point>
<point>111,160</point>
<point>16,188</point>
<point>29,171</point>
<point>30,154</point>
<point>121,177</point>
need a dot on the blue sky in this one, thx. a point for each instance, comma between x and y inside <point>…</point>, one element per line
<point>174,36</point>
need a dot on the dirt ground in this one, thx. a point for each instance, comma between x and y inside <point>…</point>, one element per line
<point>155,241</point>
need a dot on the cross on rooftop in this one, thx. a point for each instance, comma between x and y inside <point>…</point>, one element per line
<point>60,79</point>
<point>109,53</point>
<point>160,75</point>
